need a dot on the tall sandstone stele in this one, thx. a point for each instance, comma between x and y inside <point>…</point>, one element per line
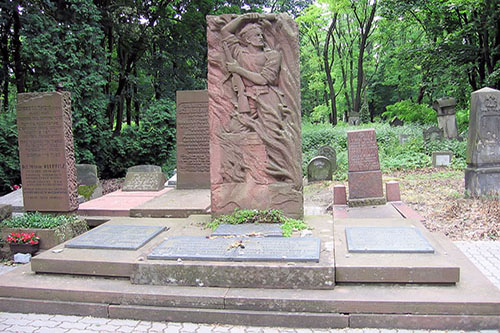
<point>482,175</point>
<point>46,152</point>
<point>254,113</point>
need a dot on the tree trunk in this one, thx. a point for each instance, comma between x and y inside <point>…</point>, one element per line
<point>136,100</point>
<point>329,79</point>
<point>129,107</point>
<point>119,117</point>
<point>5,64</point>
<point>16,41</point>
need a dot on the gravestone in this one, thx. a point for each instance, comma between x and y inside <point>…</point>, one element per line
<point>254,113</point>
<point>482,175</point>
<point>354,119</point>
<point>193,148</point>
<point>364,175</point>
<point>46,152</point>
<point>396,122</point>
<point>5,211</point>
<point>441,158</point>
<point>86,174</point>
<point>319,168</point>
<point>446,114</point>
<point>404,138</point>
<point>144,178</point>
<point>330,153</point>
<point>432,134</point>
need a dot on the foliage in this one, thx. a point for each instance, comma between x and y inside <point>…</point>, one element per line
<point>23,238</point>
<point>411,112</point>
<point>37,220</point>
<point>86,191</point>
<point>9,157</point>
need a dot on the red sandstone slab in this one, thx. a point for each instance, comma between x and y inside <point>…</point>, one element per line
<point>362,150</point>
<point>366,212</point>
<point>407,211</point>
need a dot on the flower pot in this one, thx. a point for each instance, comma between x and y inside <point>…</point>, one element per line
<point>24,248</point>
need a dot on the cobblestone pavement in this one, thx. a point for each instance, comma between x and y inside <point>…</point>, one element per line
<point>485,255</point>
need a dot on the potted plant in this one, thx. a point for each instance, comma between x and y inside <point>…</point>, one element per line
<point>22,242</point>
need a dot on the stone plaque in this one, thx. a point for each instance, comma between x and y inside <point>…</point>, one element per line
<point>86,174</point>
<point>254,113</point>
<point>330,153</point>
<point>249,229</point>
<point>386,240</point>
<point>193,148</point>
<point>145,168</point>
<point>238,249</point>
<point>441,158</point>
<point>319,168</point>
<point>362,150</point>
<point>153,180</point>
<point>46,153</point>
<point>116,237</point>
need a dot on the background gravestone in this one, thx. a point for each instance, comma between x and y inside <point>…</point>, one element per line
<point>46,153</point>
<point>144,178</point>
<point>255,134</point>
<point>354,119</point>
<point>319,168</point>
<point>441,158</point>
<point>432,133</point>
<point>404,138</point>
<point>482,175</point>
<point>364,175</point>
<point>446,114</point>
<point>329,152</point>
<point>86,174</point>
<point>193,148</point>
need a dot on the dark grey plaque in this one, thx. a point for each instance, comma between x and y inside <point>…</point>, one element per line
<point>116,237</point>
<point>249,229</point>
<point>386,240</point>
<point>238,249</point>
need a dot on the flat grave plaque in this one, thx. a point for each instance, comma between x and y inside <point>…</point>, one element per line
<point>238,249</point>
<point>249,229</point>
<point>386,240</point>
<point>116,237</point>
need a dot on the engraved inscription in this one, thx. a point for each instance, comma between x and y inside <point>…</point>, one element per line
<point>362,151</point>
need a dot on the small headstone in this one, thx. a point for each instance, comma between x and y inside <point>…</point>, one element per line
<point>330,153</point>
<point>144,178</point>
<point>86,174</point>
<point>318,169</point>
<point>354,119</point>
<point>432,133</point>
<point>403,139</point>
<point>482,175</point>
<point>116,237</point>
<point>238,249</point>
<point>5,211</point>
<point>396,122</point>
<point>386,240</point>
<point>249,229</point>
<point>447,120</point>
<point>441,158</point>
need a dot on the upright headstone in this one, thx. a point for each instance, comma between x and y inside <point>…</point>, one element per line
<point>46,152</point>
<point>193,148</point>
<point>330,153</point>
<point>482,175</point>
<point>319,168</point>
<point>354,119</point>
<point>254,113</point>
<point>432,133</point>
<point>446,114</point>
<point>144,178</point>
<point>86,174</point>
<point>364,175</point>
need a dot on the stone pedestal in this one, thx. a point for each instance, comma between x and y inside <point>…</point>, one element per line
<point>447,120</point>
<point>392,191</point>
<point>482,175</point>
<point>339,195</point>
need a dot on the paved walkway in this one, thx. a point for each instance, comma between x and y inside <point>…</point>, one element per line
<point>485,255</point>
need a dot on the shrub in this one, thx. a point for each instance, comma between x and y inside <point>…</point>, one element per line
<point>9,156</point>
<point>410,112</point>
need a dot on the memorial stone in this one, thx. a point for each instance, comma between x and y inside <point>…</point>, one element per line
<point>482,175</point>
<point>318,169</point>
<point>86,174</point>
<point>144,178</point>
<point>432,134</point>
<point>446,113</point>
<point>254,113</point>
<point>46,152</point>
<point>354,119</point>
<point>364,175</point>
<point>441,158</point>
<point>330,153</point>
<point>193,148</point>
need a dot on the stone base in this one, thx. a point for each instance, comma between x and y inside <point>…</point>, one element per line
<point>365,184</point>
<point>367,202</point>
<point>482,181</point>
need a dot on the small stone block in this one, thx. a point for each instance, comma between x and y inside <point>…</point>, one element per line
<point>441,158</point>
<point>339,195</point>
<point>249,229</point>
<point>22,258</point>
<point>116,237</point>
<point>238,249</point>
<point>386,240</point>
<point>392,191</point>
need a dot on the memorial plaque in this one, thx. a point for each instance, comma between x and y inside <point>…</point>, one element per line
<point>116,237</point>
<point>386,240</point>
<point>238,249</point>
<point>46,153</point>
<point>249,229</point>
<point>362,150</point>
<point>144,181</point>
<point>193,148</point>
<point>441,158</point>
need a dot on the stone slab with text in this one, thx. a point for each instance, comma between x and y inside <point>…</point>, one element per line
<point>254,113</point>
<point>364,175</point>
<point>46,152</point>
<point>193,148</point>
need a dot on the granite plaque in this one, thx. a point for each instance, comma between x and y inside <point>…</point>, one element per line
<point>238,249</point>
<point>249,229</point>
<point>193,149</point>
<point>144,181</point>
<point>116,237</point>
<point>386,240</point>
<point>46,152</point>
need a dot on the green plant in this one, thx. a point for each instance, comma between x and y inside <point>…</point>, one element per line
<point>410,112</point>
<point>86,191</point>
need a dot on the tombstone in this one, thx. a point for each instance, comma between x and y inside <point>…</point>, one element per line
<point>319,168</point>
<point>354,119</point>
<point>441,159</point>
<point>255,140</point>
<point>86,174</point>
<point>46,153</point>
<point>193,148</point>
<point>403,139</point>
<point>432,134</point>
<point>144,178</point>
<point>5,211</point>
<point>447,120</point>
<point>329,152</point>
<point>396,122</point>
<point>364,175</point>
<point>482,175</point>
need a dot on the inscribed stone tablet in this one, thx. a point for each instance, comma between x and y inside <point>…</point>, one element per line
<point>252,229</point>
<point>386,240</point>
<point>116,237</point>
<point>86,174</point>
<point>319,168</point>
<point>144,168</point>
<point>362,150</point>
<point>144,181</point>
<point>238,249</point>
